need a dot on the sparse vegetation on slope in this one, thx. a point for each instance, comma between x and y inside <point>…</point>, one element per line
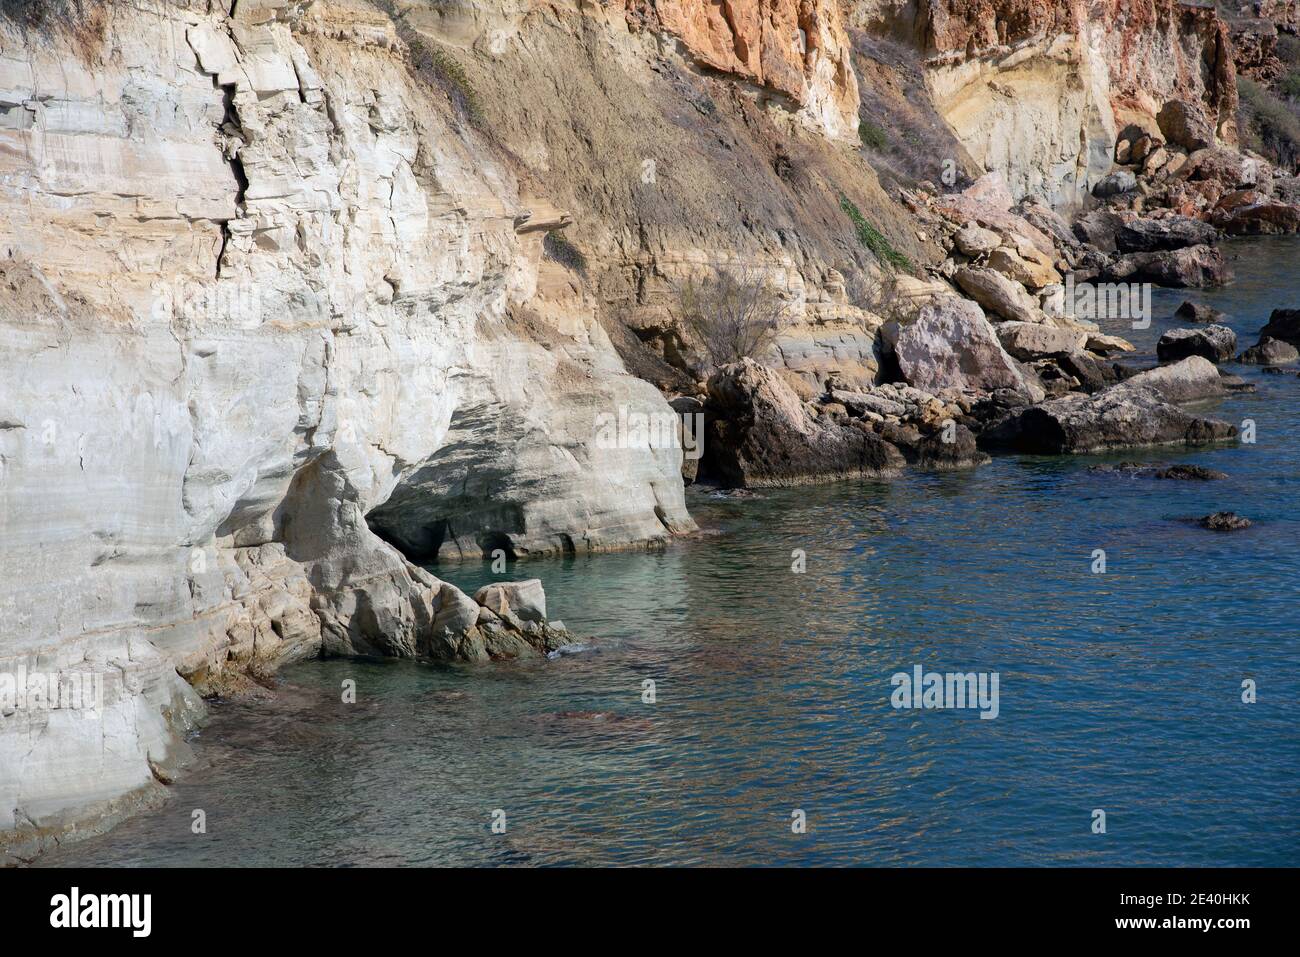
<point>873,238</point>
<point>1269,124</point>
<point>438,67</point>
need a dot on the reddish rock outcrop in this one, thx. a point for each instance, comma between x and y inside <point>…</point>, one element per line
<point>796,48</point>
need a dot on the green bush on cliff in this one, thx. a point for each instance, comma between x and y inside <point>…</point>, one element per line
<point>1291,85</point>
<point>872,136</point>
<point>872,238</point>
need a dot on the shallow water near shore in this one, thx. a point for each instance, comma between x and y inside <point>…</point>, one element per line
<point>1118,691</point>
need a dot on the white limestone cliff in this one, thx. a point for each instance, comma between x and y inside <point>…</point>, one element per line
<point>256,282</point>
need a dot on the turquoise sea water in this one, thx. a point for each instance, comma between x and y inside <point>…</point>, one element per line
<point>1118,691</point>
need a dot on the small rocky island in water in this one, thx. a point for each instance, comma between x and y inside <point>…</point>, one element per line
<point>300,300</point>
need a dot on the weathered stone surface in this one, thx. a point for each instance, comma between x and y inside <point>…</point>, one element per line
<point>1033,273</point>
<point>1263,218</point>
<point>1216,343</point>
<point>760,434</point>
<point>953,346</point>
<point>1192,266</point>
<point>1189,380</point>
<point>856,403</point>
<point>798,49</point>
<point>987,203</point>
<point>1185,125</point>
<point>1115,418</point>
<point>525,600</point>
<point>1104,344</point>
<point>1041,92</point>
<point>1033,340</point>
<point>1270,352</point>
<point>1120,181</point>
<point>950,450</point>
<point>262,288</point>
<point>1093,375</point>
<point>1100,228</point>
<point>1171,232</point>
<point>973,240</point>
<point>998,294</point>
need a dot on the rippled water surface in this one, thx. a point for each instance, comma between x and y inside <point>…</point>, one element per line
<point>1119,691</point>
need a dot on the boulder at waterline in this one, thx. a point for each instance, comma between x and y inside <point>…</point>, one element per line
<point>1270,352</point>
<point>1198,312</point>
<point>1188,380</point>
<point>1118,417</point>
<point>1216,343</point>
<point>1283,324</point>
<point>952,346</point>
<point>761,434</point>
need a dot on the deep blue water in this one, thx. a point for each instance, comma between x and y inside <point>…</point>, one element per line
<point>1119,691</point>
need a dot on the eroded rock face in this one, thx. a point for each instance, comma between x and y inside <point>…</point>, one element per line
<point>262,282</point>
<point>1039,91</point>
<point>797,48</point>
<point>952,346</point>
<point>760,435</point>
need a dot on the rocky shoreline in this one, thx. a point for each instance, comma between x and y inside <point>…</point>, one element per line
<point>303,297</point>
<point>999,360</point>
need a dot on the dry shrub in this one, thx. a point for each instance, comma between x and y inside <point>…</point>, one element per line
<point>734,314</point>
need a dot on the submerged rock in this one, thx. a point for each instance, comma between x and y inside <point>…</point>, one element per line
<point>1187,473</point>
<point>1224,522</point>
<point>1198,312</point>
<point>1190,473</point>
